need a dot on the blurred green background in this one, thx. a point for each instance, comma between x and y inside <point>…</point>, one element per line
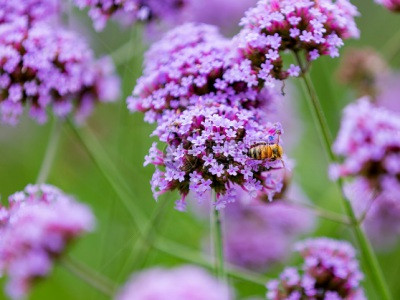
<point>126,139</point>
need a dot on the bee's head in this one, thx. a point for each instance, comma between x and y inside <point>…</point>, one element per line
<point>277,152</point>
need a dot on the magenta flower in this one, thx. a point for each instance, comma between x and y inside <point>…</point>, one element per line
<point>131,10</point>
<point>251,223</point>
<point>193,64</point>
<point>393,5</point>
<point>207,149</point>
<point>33,10</point>
<point>369,141</point>
<point>35,230</point>
<point>43,67</point>
<point>330,271</point>
<point>183,283</point>
<point>313,27</point>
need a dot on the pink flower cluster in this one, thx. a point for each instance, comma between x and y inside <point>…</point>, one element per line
<point>34,231</point>
<point>369,141</point>
<point>393,5</point>
<point>330,272</point>
<point>183,283</point>
<point>131,10</point>
<point>193,64</point>
<point>315,27</point>
<point>43,66</point>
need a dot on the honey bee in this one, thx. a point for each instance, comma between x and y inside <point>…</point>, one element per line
<point>265,151</point>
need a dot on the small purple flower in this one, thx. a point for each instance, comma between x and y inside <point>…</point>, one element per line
<point>369,141</point>
<point>33,10</point>
<point>35,230</point>
<point>181,283</point>
<point>222,159</point>
<point>311,27</point>
<point>193,64</point>
<point>330,271</point>
<point>44,66</point>
<point>131,11</point>
<point>393,5</point>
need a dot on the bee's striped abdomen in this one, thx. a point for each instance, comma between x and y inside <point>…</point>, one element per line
<point>256,152</point>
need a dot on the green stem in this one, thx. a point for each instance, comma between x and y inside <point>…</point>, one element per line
<point>368,257</point>
<point>50,152</point>
<point>99,282</point>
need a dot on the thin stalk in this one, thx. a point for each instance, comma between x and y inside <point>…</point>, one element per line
<point>96,280</point>
<point>218,241</point>
<point>50,152</point>
<point>368,257</point>
<point>392,47</point>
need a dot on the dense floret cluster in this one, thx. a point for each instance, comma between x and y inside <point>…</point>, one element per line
<point>313,27</point>
<point>194,64</point>
<point>369,141</point>
<point>393,5</point>
<point>330,272</point>
<point>131,10</point>
<point>34,231</point>
<point>42,66</point>
<point>183,283</point>
<point>207,149</point>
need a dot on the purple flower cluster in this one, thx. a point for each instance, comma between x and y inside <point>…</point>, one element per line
<point>36,228</point>
<point>43,66</point>
<point>183,283</point>
<point>381,212</point>
<point>251,223</point>
<point>33,10</point>
<point>393,5</point>
<point>194,64</point>
<point>317,27</point>
<point>369,141</point>
<point>207,149</point>
<point>131,10</point>
<point>330,272</point>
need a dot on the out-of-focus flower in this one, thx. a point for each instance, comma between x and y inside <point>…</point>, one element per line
<point>251,224</point>
<point>362,69</point>
<point>34,231</point>
<point>389,91</point>
<point>193,64</point>
<point>225,14</point>
<point>132,10</point>
<point>393,5</point>
<point>330,271</point>
<point>33,10</point>
<point>183,283</point>
<point>381,212</point>
<point>207,149</point>
<point>313,27</point>
<point>43,67</point>
<point>369,141</point>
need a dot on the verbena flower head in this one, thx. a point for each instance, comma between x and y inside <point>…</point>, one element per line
<point>207,149</point>
<point>393,5</point>
<point>251,224</point>
<point>369,141</point>
<point>33,10</point>
<point>330,272</point>
<point>363,69</point>
<point>35,230</point>
<point>43,67</point>
<point>310,26</point>
<point>381,210</point>
<point>194,64</point>
<point>181,283</point>
<point>131,10</point>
